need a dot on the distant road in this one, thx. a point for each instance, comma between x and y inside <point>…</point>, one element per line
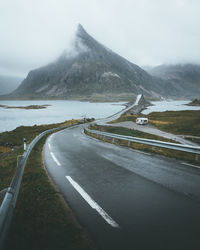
<point>126,199</point>
<point>118,114</point>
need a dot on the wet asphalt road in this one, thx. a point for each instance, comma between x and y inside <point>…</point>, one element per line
<point>126,199</point>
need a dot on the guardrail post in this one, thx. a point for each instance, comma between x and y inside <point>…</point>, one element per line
<point>25,144</point>
<point>195,150</point>
<point>19,158</point>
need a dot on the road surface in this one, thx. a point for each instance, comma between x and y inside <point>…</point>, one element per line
<point>124,198</point>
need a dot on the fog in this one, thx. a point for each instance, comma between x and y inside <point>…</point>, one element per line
<point>34,32</point>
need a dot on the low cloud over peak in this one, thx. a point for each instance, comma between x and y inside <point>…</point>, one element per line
<point>34,33</point>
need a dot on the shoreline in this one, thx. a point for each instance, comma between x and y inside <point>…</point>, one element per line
<point>25,107</point>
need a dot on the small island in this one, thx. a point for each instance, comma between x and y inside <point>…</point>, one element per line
<point>26,107</point>
<point>195,102</point>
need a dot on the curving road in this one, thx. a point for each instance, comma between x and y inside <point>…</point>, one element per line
<point>126,199</point>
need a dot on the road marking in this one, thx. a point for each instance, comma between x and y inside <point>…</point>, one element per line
<point>55,159</point>
<point>187,164</point>
<point>138,151</point>
<point>49,146</point>
<point>92,203</point>
<point>50,137</point>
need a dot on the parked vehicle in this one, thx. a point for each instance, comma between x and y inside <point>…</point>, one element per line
<point>142,121</point>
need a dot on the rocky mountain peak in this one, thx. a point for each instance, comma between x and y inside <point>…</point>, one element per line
<point>89,69</point>
<point>81,32</point>
<point>86,43</point>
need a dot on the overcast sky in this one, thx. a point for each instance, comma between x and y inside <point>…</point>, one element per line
<point>146,32</point>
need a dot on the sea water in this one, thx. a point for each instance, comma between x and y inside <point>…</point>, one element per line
<point>58,111</point>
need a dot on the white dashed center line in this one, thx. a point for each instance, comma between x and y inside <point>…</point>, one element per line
<point>92,203</point>
<point>55,159</point>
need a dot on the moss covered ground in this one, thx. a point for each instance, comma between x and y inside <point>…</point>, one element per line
<point>42,220</point>
<point>185,122</point>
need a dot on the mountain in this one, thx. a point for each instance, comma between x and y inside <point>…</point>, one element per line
<point>184,77</point>
<point>9,83</point>
<point>88,70</point>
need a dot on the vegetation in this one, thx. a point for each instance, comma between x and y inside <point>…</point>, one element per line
<point>15,137</point>
<point>125,118</point>
<point>178,122</point>
<point>195,102</point>
<point>129,132</point>
<point>185,122</point>
<point>25,107</point>
<point>41,219</point>
<point>162,151</point>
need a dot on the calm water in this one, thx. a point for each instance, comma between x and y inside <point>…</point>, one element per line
<point>162,106</point>
<point>59,111</point>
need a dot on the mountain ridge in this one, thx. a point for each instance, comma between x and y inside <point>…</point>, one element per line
<point>185,77</point>
<point>9,83</point>
<point>91,71</point>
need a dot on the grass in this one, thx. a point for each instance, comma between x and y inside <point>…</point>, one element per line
<point>195,102</point>
<point>184,156</point>
<point>25,107</point>
<point>15,137</point>
<point>181,122</point>
<point>185,122</point>
<point>14,140</point>
<point>124,118</point>
<point>41,218</point>
<point>129,132</point>
<point>4,149</point>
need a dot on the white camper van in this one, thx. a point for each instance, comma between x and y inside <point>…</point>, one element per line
<point>142,121</point>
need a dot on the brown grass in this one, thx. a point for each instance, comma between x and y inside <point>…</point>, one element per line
<point>155,122</point>
<point>4,149</point>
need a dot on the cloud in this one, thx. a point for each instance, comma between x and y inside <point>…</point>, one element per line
<point>34,33</point>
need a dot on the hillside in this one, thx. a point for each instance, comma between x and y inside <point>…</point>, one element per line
<point>184,77</point>
<point>8,84</point>
<point>195,102</point>
<point>90,70</point>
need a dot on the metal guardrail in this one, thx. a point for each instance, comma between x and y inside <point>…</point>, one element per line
<point>155,143</point>
<point>10,198</point>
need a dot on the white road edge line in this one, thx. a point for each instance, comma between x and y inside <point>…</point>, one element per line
<point>50,137</point>
<point>55,159</point>
<point>49,146</point>
<point>138,151</point>
<point>92,203</point>
<point>187,164</point>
